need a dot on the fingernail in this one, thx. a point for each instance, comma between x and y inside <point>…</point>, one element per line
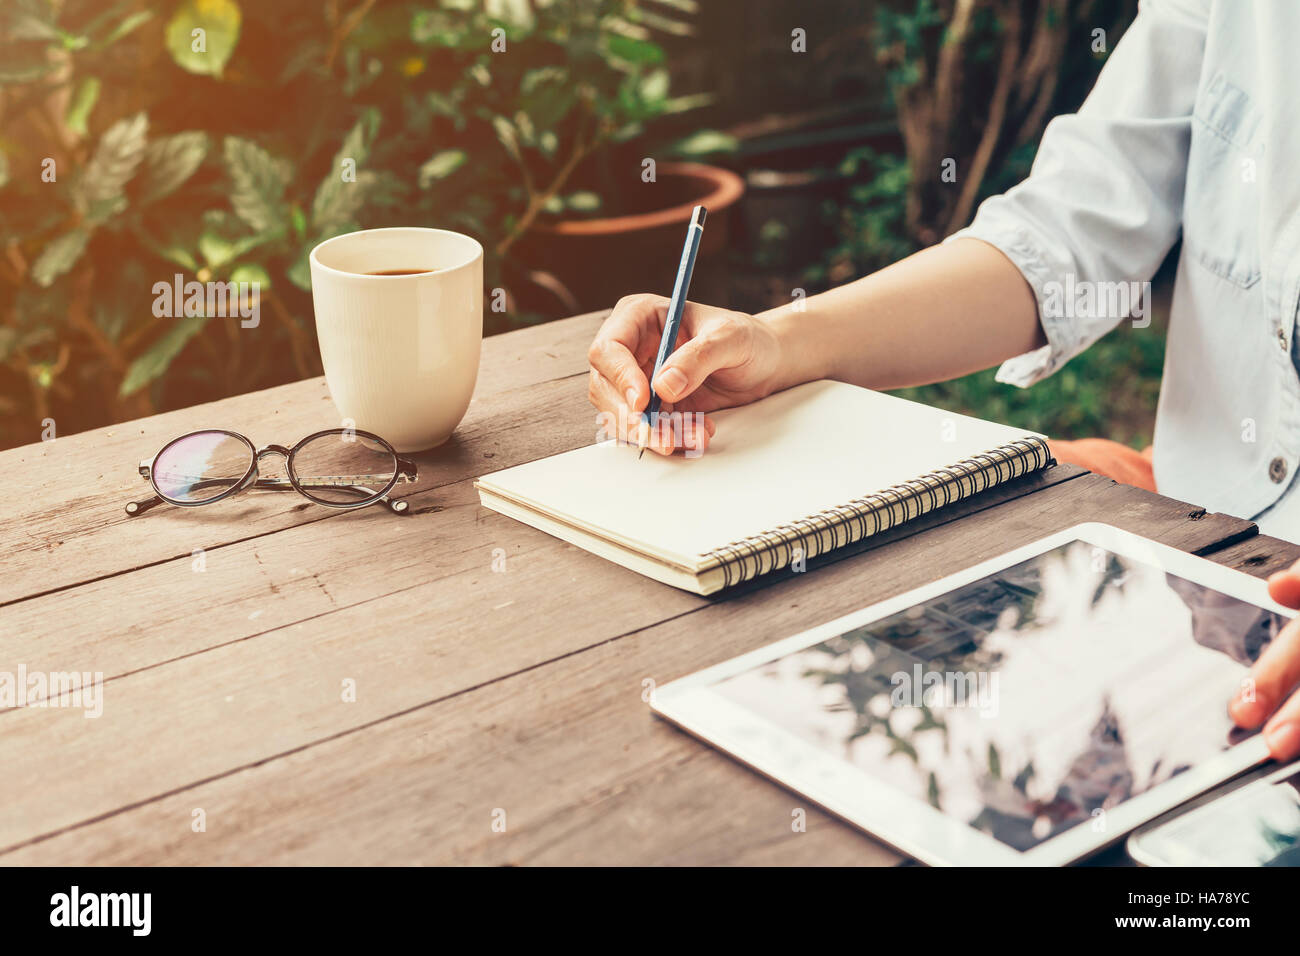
<point>1283,740</point>
<point>1247,711</point>
<point>670,383</point>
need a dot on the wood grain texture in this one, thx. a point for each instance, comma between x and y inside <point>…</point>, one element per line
<point>230,592</point>
<point>494,667</point>
<point>1259,555</point>
<point>64,523</point>
<point>461,711</point>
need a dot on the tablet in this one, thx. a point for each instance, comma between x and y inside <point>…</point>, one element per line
<point>1257,823</point>
<point>1029,710</point>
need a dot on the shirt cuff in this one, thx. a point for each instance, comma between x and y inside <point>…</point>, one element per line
<point>1063,340</point>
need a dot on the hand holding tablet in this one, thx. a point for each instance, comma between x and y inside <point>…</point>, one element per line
<point>1070,691</point>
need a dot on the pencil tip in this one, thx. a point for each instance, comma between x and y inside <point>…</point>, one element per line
<point>638,457</point>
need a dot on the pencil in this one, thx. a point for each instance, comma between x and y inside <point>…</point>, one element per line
<point>673,324</point>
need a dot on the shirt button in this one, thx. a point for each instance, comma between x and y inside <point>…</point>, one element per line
<point>1277,470</point>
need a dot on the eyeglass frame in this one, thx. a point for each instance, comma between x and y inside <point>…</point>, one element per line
<point>405,470</point>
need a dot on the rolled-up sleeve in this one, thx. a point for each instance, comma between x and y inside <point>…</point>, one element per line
<point>1103,202</point>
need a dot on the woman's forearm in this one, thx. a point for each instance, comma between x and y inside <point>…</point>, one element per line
<point>944,312</point>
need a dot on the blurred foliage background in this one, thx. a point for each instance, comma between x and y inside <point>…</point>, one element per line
<point>127,156</point>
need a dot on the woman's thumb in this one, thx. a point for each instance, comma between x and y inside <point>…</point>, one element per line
<point>688,367</point>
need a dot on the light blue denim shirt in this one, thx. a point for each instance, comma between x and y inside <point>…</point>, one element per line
<point>1193,126</point>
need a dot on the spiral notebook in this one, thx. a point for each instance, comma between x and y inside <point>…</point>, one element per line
<point>796,475</point>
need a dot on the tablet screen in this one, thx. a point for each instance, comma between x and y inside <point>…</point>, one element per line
<point>1032,700</point>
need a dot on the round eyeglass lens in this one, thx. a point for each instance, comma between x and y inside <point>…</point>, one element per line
<point>343,468</point>
<point>201,467</point>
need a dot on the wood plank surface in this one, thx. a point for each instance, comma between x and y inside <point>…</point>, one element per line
<point>363,688</point>
<point>1260,555</point>
<point>442,735</point>
<point>64,523</point>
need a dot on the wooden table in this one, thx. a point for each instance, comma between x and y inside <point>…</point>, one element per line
<point>228,636</point>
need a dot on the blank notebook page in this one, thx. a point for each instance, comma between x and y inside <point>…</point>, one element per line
<point>795,453</point>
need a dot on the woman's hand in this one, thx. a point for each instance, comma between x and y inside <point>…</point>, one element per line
<point>722,359</point>
<point>1274,678</point>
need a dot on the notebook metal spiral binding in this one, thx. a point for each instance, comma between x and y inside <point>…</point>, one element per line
<point>863,517</point>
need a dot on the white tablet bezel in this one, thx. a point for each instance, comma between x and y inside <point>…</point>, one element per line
<point>913,826</point>
<point>1201,807</point>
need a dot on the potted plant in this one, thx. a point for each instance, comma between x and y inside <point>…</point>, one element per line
<point>292,122</point>
<point>635,247</point>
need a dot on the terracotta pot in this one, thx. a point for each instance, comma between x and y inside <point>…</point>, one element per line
<point>601,260</point>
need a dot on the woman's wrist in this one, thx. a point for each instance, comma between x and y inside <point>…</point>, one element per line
<point>798,359</point>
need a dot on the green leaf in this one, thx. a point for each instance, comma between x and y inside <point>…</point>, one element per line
<point>58,256</point>
<point>115,159</point>
<point>441,165</point>
<point>547,95</point>
<point>515,13</point>
<point>654,87</point>
<point>509,139</point>
<point>83,101</point>
<point>705,142</point>
<point>124,26</point>
<point>259,183</point>
<point>253,274</point>
<point>174,248</point>
<point>299,273</point>
<point>216,250</point>
<point>682,104</point>
<point>583,201</point>
<point>541,76</point>
<point>30,27</point>
<point>637,52</point>
<point>337,199</point>
<point>217,23</point>
<point>170,161</point>
<point>158,357</point>
<point>663,24</point>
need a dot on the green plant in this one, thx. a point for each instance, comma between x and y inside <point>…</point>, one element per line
<point>220,140</point>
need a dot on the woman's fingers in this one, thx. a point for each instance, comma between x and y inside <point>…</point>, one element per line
<point>1272,678</point>
<point>621,346</point>
<point>622,358</point>
<point>1284,587</point>
<point>619,413</point>
<point>620,417</point>
<point>1282,733</point>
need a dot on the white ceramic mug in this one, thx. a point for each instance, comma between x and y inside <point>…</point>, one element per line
<point>400,352</point>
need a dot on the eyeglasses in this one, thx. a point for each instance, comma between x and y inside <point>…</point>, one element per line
<point>339,468</point>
